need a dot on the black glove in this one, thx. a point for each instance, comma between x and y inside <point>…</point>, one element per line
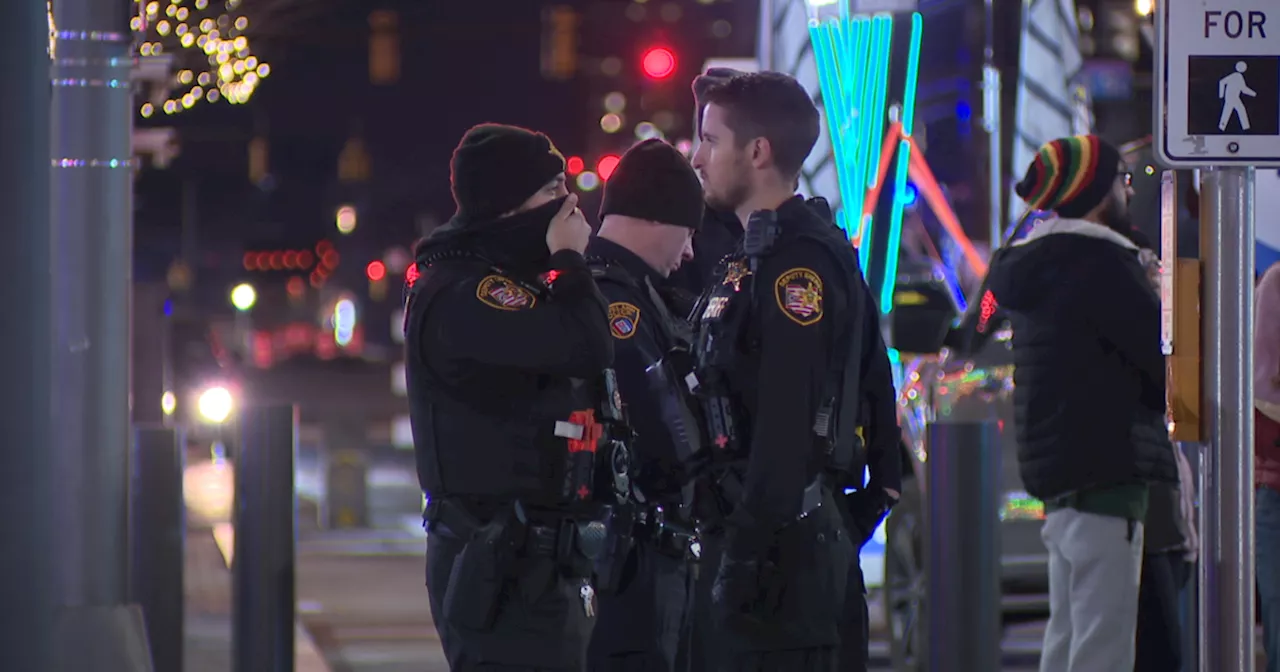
<point>866,510</point>
<point>747,591</point>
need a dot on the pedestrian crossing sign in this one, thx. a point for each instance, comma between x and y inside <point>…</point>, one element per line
<point>1218,83</point>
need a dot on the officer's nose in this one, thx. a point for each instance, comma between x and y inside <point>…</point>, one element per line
<point>687,253</point>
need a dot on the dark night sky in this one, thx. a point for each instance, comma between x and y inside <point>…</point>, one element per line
<point>462,63</point>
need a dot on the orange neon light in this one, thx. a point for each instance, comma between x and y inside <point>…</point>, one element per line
<point>923,177</point>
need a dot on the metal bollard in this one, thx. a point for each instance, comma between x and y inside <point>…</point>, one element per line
<point>962,547</point>
<point>263,590</point>
<point>157,537</point>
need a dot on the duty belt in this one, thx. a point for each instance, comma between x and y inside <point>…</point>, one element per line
<point>542,540</point>
<point>670,538</point>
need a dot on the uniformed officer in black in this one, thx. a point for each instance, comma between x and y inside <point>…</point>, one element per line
<point>783,336</point>
<point>864,505</point>
<point>506,337</point>
<point>720,231</point>
<point>651,207</point>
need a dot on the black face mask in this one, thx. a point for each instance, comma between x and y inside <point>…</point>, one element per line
<point>517,243</point>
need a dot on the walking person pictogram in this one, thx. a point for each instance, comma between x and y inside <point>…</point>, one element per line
<point>1230,88</point>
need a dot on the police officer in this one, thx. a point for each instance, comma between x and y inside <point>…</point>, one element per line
<point>720,231</point>
<point>783,336</point>
<point>651,207</point>
<point>864,505</point>
<point>507,344</point>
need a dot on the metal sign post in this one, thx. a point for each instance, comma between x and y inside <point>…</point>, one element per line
<point>1218,107</point>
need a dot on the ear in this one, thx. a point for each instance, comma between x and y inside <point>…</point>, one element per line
<point>760,153</point>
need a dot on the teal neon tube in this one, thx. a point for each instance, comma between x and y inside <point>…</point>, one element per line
<point>873,123</point>
<point>893,249</point>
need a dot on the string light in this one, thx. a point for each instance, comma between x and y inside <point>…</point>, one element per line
<point>53,31</point>
<point>215,34</point>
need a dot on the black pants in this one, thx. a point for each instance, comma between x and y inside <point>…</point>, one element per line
<point>543,622</point>
<point>639,629</point>
<point>855,624</point>
<point>813,556</point>
<point>1159,642</point>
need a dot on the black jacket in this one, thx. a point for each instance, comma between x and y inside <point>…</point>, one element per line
<point>1089,373</point>
<point>643,331</point>
<point>498,351</point>
<point>719,235</point>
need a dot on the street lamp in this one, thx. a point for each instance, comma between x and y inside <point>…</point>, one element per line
<point>243,297</point>
<point>215,405</point>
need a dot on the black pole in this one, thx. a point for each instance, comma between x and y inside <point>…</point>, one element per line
<point>26,467</point>
<point>962,547</point>
<point>265,536</point>
<point>157,536</point>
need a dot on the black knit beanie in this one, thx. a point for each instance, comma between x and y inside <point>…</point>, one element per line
<point>653,181</point>
<point>497,167</point>
<point>1070,176</point>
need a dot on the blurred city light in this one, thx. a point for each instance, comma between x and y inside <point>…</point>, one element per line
<point>168,403</point>
<point>376,270</point>
<point>606,165</point>
<point>344,322</point>
<point>574,165</point>
<point>615,102</point>
<point>215,405</point>
<point>243,297</point>
<point>610,123</point>
<point>588,181</point>
<point>659,63</point>
<point>346,219</point>
<point>646,130</point>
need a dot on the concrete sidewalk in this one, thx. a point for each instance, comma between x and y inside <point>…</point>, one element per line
<point>208,611</point>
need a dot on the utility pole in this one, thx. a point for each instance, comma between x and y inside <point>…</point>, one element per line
<point>26,468</point>
<point>92,233</point>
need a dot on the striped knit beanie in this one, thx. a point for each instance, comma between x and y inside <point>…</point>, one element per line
<point>1070,176</point>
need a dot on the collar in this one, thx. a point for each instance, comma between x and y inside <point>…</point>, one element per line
<point>793,206</point>
<point>1076,227</point>
<point>630,262</point>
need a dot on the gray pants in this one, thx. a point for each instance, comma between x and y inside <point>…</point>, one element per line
<point>1095,568</point>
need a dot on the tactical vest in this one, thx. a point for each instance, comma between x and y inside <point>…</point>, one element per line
<point>673,331</point>
<point>725,338</point>
<point>499,434</point>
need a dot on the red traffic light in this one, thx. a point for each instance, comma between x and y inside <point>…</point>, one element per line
<point>376,270</point>
<point>606,165</point>
<point>659,62</point>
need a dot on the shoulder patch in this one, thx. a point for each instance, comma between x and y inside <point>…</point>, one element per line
<point>799,295</point>
<point>502,293</point>
<point>624,318</point>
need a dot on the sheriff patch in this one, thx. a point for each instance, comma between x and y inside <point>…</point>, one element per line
<point>498,292</point>
<point>799,295</point>
<point>623,320</point>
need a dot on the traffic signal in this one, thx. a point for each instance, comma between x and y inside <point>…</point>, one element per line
<point>658,62</point>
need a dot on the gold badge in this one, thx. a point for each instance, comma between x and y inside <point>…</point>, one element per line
<point>735,273</point>
<point>799,295</point>
<point>623,320</point>
<point>502,293</point>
